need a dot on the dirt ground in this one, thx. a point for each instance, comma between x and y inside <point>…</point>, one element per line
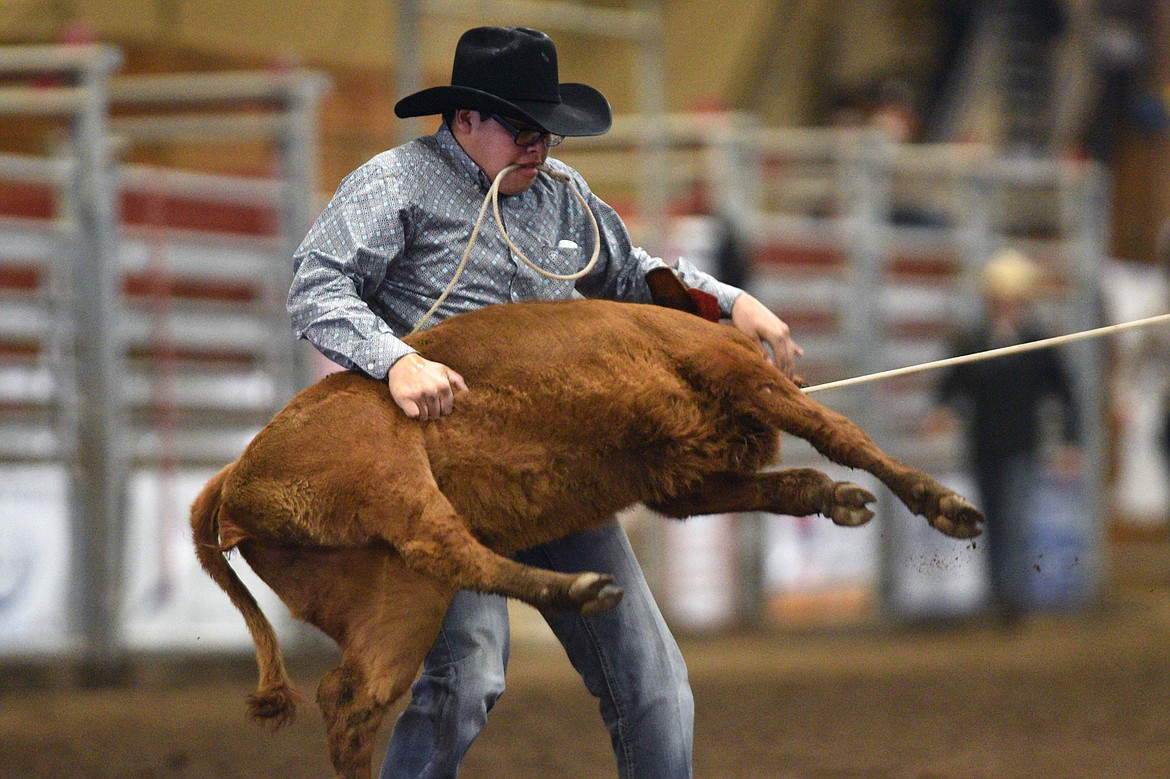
<point>1063,695</point>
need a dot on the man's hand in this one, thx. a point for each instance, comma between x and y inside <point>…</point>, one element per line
<point>423,389</point>
<point>754,319</point>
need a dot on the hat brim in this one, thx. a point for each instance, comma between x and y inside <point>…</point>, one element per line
<point>582,110</point>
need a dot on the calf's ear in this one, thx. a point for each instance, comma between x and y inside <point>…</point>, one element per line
<point>668,290</point>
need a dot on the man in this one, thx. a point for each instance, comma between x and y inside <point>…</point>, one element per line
<point>1002,402</point>
<point>384,250</point>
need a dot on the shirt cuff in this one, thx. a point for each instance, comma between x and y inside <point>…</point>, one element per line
<point>377,354</point>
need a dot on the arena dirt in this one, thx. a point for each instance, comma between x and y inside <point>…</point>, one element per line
<point>1082,695</point>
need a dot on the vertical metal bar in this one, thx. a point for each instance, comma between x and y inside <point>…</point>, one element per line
<point>731,179</point>
<point>299,152</point>
<point>410,65</point>
<point>977,241</point>
<point>651,98</point>
<point>866,181</point>
<point>1089,210</point>
<point>100,473</point>
<point>863,179</point>
<point>62,356</point>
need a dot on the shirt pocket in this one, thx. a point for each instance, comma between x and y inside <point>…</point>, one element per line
<point>561,260</point>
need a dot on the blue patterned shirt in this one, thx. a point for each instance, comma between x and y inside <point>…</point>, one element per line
<point>389,241</point>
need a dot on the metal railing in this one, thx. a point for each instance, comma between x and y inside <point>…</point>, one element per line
<point>142,343</point>
<point>872,250</point>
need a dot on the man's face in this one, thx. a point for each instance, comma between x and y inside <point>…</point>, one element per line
<point>493,148</point>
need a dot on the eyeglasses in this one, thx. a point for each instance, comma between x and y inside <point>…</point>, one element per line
<point>527,136</point>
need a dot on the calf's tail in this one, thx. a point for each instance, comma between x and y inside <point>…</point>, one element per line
<point>275,701</point>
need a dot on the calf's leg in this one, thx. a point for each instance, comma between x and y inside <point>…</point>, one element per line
<point>352,718</point>
<point>392,500</point>
<point>798,492</point>
<point>384,617</point>
<point>836,437</point>
<point>440,545</point>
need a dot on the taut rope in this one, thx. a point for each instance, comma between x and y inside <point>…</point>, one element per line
<point>1044,343</point>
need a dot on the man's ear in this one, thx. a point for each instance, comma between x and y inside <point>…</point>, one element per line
<point>462,120</point>
<point>668,290</point>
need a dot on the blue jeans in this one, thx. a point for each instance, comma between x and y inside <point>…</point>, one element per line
<point>1007,494</point>
<point>627,658</point>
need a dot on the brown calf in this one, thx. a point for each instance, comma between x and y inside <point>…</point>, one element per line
<point>366,523</point>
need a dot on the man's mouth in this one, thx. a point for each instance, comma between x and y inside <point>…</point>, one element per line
<point>529,170</point>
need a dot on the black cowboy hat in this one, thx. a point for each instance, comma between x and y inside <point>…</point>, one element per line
<point>512,71</point>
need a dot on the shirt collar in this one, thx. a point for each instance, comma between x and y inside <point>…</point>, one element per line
<point>459,158</point>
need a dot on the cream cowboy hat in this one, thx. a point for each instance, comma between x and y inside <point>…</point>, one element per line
<point>1011,274</point>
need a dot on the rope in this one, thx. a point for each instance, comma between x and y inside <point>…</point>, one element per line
<point>494,193</point>
<point>493,197</point>
<point>1003,351</point>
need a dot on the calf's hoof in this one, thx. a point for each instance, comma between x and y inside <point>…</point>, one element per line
<point>957,517</point>
<point>594,593</point>
<point>847,505</point>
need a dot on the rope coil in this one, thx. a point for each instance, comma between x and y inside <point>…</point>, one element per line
<point>493,197</point>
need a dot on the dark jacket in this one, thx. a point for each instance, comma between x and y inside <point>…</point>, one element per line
<point>1000,398</point>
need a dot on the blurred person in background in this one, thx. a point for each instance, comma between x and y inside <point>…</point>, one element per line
<point>1001,403</point>
<point>1125,88</point>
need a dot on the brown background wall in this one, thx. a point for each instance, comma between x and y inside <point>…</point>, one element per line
<point>783,59</point>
